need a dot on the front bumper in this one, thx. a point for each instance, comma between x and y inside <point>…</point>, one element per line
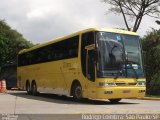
<point>120,92</point>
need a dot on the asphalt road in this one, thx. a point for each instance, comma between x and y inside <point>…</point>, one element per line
<point>18,102</point>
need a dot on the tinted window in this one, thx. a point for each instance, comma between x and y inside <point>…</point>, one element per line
<point>118,55</point>
<point>87,39</point>
<point>57,51</point>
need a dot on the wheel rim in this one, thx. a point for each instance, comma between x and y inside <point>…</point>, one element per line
<point>78,92</point>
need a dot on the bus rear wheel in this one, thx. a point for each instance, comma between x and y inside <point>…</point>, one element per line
<point>28,88</point>
<point>114,100</point>
<point>34,88</point>
<point>77,92</point>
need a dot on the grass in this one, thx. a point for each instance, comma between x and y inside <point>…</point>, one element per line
<point>155,96</point>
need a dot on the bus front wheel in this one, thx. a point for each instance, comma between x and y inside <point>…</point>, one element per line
<point>114,100</point>
<point>77,92</point>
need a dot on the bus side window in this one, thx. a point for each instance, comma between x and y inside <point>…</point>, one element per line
<point>87,39</point>
<point>57,51</point>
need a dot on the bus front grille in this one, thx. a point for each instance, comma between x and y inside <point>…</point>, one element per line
<point>126,84</point>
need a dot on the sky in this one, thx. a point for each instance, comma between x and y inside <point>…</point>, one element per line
<point>43,20</point>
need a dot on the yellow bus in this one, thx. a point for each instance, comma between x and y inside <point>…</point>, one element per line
<point>94,63</point>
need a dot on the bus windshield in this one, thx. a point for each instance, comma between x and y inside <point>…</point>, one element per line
<point>119,55</point>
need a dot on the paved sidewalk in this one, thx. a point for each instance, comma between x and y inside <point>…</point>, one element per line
<point>149,98</point>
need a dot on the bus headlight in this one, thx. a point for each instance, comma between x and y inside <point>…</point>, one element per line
<point>104,84</point>
<point>141,83</point>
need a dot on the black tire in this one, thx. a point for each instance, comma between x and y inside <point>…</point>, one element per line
<point>34,88</point>
<point>77,92</point>
<point>114,100</point>
<point>28,87</point>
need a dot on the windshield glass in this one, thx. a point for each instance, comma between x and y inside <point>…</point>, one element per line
<point>119,55</point>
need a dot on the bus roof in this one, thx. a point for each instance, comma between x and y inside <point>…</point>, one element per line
<point>77,33</point>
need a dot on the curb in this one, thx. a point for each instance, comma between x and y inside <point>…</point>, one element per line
<point>149,98</point>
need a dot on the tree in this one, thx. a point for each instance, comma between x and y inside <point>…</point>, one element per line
<point>151,48</point>
<point>11,42</point>
<point>134,10</point>
<point>158,22</point>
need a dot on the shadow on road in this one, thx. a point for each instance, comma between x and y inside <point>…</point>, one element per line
<point>63,99</point>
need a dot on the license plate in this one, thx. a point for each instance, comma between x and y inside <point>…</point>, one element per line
<point>126,91</point>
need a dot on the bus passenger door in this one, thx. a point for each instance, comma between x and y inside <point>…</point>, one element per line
<point>90,73</point>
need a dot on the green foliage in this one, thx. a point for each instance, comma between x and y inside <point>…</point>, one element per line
<point>151,48</point>
<point>11,42</point>
<point>158,22</point>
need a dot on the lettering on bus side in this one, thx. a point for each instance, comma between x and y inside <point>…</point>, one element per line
<point>66,65</point>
